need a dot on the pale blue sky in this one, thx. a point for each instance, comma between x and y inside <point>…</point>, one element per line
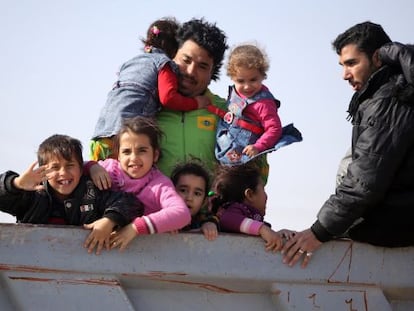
<point>59,60</point>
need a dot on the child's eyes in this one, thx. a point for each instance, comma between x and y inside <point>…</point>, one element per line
<point>58,167</point>
<point>139,151</point>
<point>182,190</point>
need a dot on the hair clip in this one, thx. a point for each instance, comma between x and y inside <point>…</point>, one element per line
<point>148,48</point>
<point>155,30</point>
<point>211,193</point>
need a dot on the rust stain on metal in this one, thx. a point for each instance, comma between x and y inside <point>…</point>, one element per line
<point>163,274</point>
<point>160,274</point>
<point>31,269</point>
<point>313,297</point>
<point>349,302</point>
<point>363,292</point>
<point>210,287</point>
<point>366,300</point>
<point>66,281</point>
<point>348,250</point>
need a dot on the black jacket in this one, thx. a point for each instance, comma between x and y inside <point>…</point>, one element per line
<point>375,201</point>
<point>85,205</point>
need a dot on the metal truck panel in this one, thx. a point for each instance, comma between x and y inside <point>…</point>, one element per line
<point>47,268</point>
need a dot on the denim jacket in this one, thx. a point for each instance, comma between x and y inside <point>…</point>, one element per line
<point>134,93</point>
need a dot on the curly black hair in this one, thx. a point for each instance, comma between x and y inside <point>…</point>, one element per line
<point>208,36</point>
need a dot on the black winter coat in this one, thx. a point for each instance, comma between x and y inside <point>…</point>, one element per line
<point>85,205</point>
<point>375,201</point>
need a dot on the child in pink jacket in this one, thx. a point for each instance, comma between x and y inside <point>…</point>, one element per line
<point>137,147</point>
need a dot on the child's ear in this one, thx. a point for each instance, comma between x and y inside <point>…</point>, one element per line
<point>156,155</point>
<point>248,194</point>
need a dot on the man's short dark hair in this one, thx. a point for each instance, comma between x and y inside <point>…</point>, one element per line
<point>367,36</point>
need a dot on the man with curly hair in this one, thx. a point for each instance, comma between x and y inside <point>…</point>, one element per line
<point>201,47</point>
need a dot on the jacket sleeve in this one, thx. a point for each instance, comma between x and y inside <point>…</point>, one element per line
<point>168,92</point>
<point>385,139</point>
<point>12,200</point>
<point>401,56</point>
<point>120,207</point>
<point>233,219</point>
<point>173,214</point>
<point>270,121</point>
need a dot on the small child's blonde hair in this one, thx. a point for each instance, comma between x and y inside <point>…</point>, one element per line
<point>247,56</point>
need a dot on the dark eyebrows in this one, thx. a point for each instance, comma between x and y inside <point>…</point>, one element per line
<point>348,62</point>
<point>199,189</point>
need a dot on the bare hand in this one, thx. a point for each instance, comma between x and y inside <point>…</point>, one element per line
<point>301,244</point>
<point>287,234</point>
<point>209,230</point>
<point>123,237</point>
<point>33,178</point>
<point>273,239</point>
<point>250,150</point>
<point>100,235</point>
<point>100,177</point>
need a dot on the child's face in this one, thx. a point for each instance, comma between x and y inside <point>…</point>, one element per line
<point>258,198</point>
<point>136,154</point>
<point>63,175</point>
<point>192,189</point>
<point>248,81</point>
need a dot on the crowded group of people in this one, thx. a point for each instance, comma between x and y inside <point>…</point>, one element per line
<point>168,155</point>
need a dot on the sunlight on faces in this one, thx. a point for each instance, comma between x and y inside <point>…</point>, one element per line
<point>136,155</point>
<point>63,175</point>
<point>357,67</point>
<point>192,189</point>
<point>248,81</point>
<point>196,67</point>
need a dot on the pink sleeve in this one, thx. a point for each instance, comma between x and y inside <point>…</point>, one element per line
<point>114,171</point>
<point>174,213</point>
<point>142,225</point>
<point>250,226</point>
<point>233,220</point>
<point>270,121</point>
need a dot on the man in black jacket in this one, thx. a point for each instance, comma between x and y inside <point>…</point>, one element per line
<point>54,190</point>
<point>374,202</point>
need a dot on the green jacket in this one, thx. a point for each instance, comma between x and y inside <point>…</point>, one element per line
<point>188,134</point>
